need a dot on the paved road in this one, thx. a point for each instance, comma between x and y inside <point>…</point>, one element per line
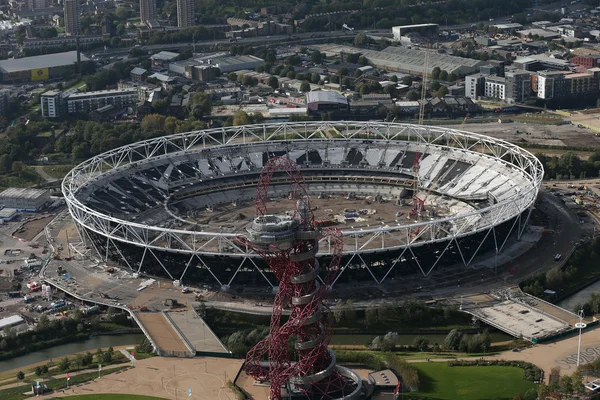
<point>40,171</point>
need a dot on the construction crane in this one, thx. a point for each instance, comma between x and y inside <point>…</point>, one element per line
<point>417,205</point>
<point>462,125</point>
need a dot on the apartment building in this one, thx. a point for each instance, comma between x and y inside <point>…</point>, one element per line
<point>91,101</point>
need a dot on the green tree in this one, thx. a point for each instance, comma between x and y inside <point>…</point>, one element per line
<point>316,57</point>
<point>18,167</point>
<point>20,375</point>
<point>407,80</point>
<point>443,91</point>
<point>362,60</point>
<point>360,39</point>
<point>371,314</point>
<point>38,370</point>
<point>273,82</point>
<point>412,95</point>
<point>305,87</point>
<point>232,76</point>
<point>241,118</point>
<point>64,364</point>
<point>443,75</point>
<point>338,311</point>
<point>452,340</point>
<point>421,343</point>
<point>435,73</point>
<point>44,369</point>
<point>349,313</point>
<point>107,357</point>
<point>201,105</point>
<point>452,77</point>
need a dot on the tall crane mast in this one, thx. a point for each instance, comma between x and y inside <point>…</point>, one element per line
<point>417,205</point>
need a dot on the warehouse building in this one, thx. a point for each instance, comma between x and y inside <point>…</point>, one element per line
<point>39,68</point>
<point>24,199</point>
<point>409,61</point>
<point>325,101</point>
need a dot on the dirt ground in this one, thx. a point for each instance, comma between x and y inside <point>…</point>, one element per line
<point>169,378</point>
<point>32,228</point>
<point>561,135</point>
<point>161,332</point>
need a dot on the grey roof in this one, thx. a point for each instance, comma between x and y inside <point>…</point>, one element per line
<point>164,55</point>
<point>405,59</point>
<point>23,193</point>
<point>138,71</point>
<point>325,96</point>
<point>45,61</point>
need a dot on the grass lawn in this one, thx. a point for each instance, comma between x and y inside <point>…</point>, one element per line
<point>110,397</point>
<point>440,381</point>
<point>57,171</point>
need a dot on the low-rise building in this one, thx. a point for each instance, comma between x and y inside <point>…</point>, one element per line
<point>26,199</point>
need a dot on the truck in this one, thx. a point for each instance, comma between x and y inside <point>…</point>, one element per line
<point>58,304</point>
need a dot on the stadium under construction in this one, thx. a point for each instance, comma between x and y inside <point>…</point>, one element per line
<point>407,199</point>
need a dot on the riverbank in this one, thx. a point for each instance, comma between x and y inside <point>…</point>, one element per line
<point>10,374</point>
<point>91,344</point>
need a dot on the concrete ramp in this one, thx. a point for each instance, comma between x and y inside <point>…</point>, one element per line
<point>197,334</point>
<point>164,335</point>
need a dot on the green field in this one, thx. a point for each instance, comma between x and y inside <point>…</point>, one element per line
<point>110,397</point>
<point>440,381</point>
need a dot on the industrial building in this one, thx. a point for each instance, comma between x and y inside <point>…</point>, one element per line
<point>410,61</point>
<point>26,199</point>
<point>236,63</point>
<point>326,101</point>
<point>39,68</point>
<point>403,32</point>
<point>161,60</point>
<point>540,62</point>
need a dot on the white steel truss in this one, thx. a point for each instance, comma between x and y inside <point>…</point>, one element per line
<point>401,237</point>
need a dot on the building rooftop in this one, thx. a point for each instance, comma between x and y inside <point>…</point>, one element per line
<point>164,56</point>
<point>403,58</point>
<point>138,71</point>
<point>23,193</point>
<point>45,61</point>
<point>102,93</point>
<point>509,26</point>
<point>325,96</point>
<point>580,75</point>
<point>10,321</point>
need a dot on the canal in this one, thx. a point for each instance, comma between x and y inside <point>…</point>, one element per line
<point>580,297</point>
<point>65,349</point>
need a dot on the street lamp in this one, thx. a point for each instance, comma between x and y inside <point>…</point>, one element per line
<point>580,325</point>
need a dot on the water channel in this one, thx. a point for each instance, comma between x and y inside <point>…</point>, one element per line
<point>65,349</point>
<point>580,297</point>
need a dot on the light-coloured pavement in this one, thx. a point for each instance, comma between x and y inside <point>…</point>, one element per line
<point>169,378</point>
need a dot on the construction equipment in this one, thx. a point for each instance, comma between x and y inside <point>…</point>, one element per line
<point>417,203</point>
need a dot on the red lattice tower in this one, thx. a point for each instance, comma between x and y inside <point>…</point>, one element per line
<point>289,243</point>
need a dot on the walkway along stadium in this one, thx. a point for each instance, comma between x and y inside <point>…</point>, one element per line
<point>407,198</point>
